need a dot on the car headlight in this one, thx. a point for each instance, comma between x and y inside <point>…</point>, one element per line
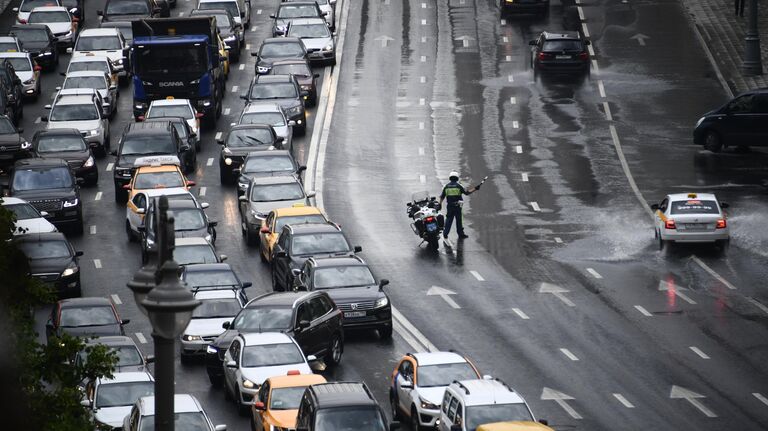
<point>227,161</point>
<point>328,47</point>
<point>227,150</point>
<point>88,163</point>
<point>701,120</point>
<point>262,69</point>
<point>212,350</point>
<point>93,132</point>
<point>248,384</point>
<point>69,203</point>
<point>381,302</point>
<point>119,62</point>
<point>258,215</point>
<point>429,406</point>
<point>71,270</point>
<point>187,337</point>
<point>26,145</point>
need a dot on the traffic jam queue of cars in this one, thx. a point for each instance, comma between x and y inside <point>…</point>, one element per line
<point>260,351</point>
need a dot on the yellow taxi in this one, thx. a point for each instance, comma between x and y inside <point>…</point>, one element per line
<point>224,53</point>
<point>157,172</point>
<point>273,224</point>
<point>277,403</point>
<point>514,426</point>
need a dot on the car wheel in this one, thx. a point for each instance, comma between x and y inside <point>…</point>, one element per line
<point>393,404</point>
<point>335,350</point>
<point>723,244</point>
<point>216,381</point>
<point>275,284</point>
<point>385,332</point>
<point>713,142</point>
<point>250,238</point>
<point>262,256</point>
<point>415,426</point>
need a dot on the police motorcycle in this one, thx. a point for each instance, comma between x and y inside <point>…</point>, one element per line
<point>428,223</point>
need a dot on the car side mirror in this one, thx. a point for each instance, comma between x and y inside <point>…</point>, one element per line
<point>407,384</point>
<point>272,16</point>
<point>58,88</point>
<point>316,75</point>
<point>226,325</point>
<point>48,106</point>
<point>69,51</point>
<point>243,198</point>
<point>44,213</point>
<point>259,405</point>
<point>358,249</point>
<point>204,205</point>
<point>231,364</point>
<point>383,282</point>
<point>125,321</point>
<point>291,123</point>
<point>247,284</point>
<point>220,141</point>
<point>244,97</point>
<point>724,205</point>
<point>20,129</point>
<point>586,42</point>
<point>78,253</point>
<point>44,119</point>
<point>126,187</point>
<point>15,9</point>
<point>311,358</point>
<point>150,359</point>
<point>213,223</point>
<point>532,42</point>
<point>191,183</point>
<point>295,272</point>
<point>303,324</point>
<point>655,207</point>
<point>223,257</point>
<point>281,254</point>
<point>302,168</point>
<point>85,402</point>
<point>311,194</point>
<point>220,427</point>
<point>113,153</point>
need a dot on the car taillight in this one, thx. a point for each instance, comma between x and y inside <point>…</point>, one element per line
<point>429,219</point>
<point>721,224</point>
<point>670,224</point>
<point>543,56</point>
<point>583,56</point>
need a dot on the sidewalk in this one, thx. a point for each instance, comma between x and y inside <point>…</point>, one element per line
<point>723,32</point>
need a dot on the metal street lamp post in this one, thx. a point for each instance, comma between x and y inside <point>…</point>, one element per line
<point>169,306</point>
<point>752,64</point>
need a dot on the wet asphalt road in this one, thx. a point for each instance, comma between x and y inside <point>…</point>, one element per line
<point>562,292</point>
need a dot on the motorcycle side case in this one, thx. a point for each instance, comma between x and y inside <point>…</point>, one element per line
<point>440,221</point>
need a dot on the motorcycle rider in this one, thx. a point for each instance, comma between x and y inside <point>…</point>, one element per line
<point>453,193</point>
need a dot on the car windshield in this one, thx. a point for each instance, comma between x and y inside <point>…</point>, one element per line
<point>53,249</point>
<point>291,69</point>
<point>263,319</point>
<point>28,5</point>
<point>300,219</point>
<point>276,192</point>
<point>74,317</point>
<point>282,163</point>
<point>8,47</point>
<point>44,178</point>
<point>191,421</point>
<point>127,7</point>
<point>222,21</point>
<point>445,374</point>
<point>95,82</point>
<point>562,45</point>
<point>210,278</point>
<point>189,254</point>
<point>6,127</point>
<point>349,419</point>
<point>274,119</point>
<point>183,111</point>
<point>30,35</point>
<point>274,91</point>
<point>122,394</point>
<point>230,6</point>
<point>79,66</point>
<point>269,355</point>
<point>297,11</point>
<point>344,276</point>
<point>148,144</point>
<point>156,180</point>
<point>125,30</point>
<point>54,143</point>
<point>281,49</point>
<point>39,17</point>
<point>249,138</point>
<point>309,31</point>
<point>23,211</point>
<point>98,43</point>
<point>168,62</point>
<point>485,414</point>
<point>20,64</point>
<point>127,356</point>
<point>188,219</point>
<point>694,206</point>
<point>286,398</point>
<point>74,113</point>
<point>213,308</point>
<point>320,243</point>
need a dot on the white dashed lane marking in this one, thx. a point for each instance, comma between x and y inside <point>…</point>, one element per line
<point>515,125</point>
<point>508,58</point>
<point>594,273</point>
<point>698,351</point>
<point>760,397</point>
<point>110,165</point>
<point>226,111</point>
<point>422,101</point>
<point>524,177</point>
<point>140,337</point>
<point>258,11</point>
<point>423,79</point>
<point>513,100</point>
<point>520,313</point>
<point>218,135</point>
<point>503,22</point>
<point>535,206</point>
<point>423,58</point>
<point>421,151</point>
<point>116,299</point>
<point>92,230</point>
<point>421,125</point>
<point>241,67</point>
<point>519,149</point>
<point>235,88</point>
<point>624,401</point>
<point>477,275</point>
<point>642,310</point>
<point>607,110</point>
<point>558,240</point>
<point>97,263</point>
<point>209,162</point>
<point>510,78</point>
<point>423,22</point>
<point>569,354</point>
<point>505,39</point>
<point>202,191</point>
<point>423,179</point>
<point>98,196</point>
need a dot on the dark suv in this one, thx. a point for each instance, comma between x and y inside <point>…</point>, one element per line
<point>283,90</point>
<point>239,142</point>
<point>129,10</point>
<point>14,90</point>
<point>13,146</point>
<point>509,7</point>
<point>39,41</point>
<point>742,122</point>
<point>191,222</point>
<point>341,406</point>
<point>297,243</point>
<point>148,139</point>
<point>53,261</point>
<point>50,186</point>
<point>560,52</point>
<point>311,318</point>
<point>351,285</point>
<point>67,144</point>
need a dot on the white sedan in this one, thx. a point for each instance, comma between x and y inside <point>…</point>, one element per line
<point>28,219</point>
<point>691,218</point>
<point>177,108</point>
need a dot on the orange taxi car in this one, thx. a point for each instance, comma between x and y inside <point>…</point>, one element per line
<point>277,403</point>
<point>157,172</point>
<point>273,224</point>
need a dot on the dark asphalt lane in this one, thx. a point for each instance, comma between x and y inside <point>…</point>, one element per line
<point>557,209</point>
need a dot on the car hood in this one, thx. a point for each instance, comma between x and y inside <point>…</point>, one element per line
<point>113,55</point>
<point>268,61</point>
<point>59,27</point>
<point>24,75</point>
<point>225,339</point>
<point>354,294</point>
<point>11,138</point>
<point>206,327</point>
<point>432,395</point>
<point>258,375</point>
<point>316,42</point>
<point>244,151</point>
<point>96,330</point>
<point>68,156</point>
<point>47,266</point>
<point>112,416</point>
<point>35,46</point>
<point>196,233</point>
<point>266,207</point>
<point>284,418</point>
<point>34,225</point>
<point>28,195</point>
<point>79,125</point>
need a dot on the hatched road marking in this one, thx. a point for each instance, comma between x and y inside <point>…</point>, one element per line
<point>569,354</point>
<point>642,310</point>
<point>140,337</point>
<point>477,275</point>
<point>624,401</point>
<point>698,351</point>
<point>520,313</point>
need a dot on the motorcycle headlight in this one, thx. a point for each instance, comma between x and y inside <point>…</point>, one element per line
<point>328,47</point>
<point>262,69</point>
<point>26,145</point>
<point>187,337</point>
<point>248,384</point>
<point>381,302</point>
<point>88,163</point>
<point>69,203</point>
<point>212,350</point>
<point>429,406</point>
<point>71,270</point>
<point>701,120</point>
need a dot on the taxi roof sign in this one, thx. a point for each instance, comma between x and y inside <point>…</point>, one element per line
<point>299,205</point>
<point>157,161</point>
<point>692,195</point>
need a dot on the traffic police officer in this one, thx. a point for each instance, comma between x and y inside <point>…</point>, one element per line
<point>453,193</point>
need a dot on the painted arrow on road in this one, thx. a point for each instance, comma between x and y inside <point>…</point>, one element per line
<point>384,40</point>
<point>443,293</point>
<point>465,40</point>
<point>670,286</point>
<point>678,392</point>
<point>640,38</point>
<point>557,291</point>
<point>560,398</point>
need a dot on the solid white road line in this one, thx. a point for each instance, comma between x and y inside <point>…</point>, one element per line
<point>140,337</point>
<point>624,401</point>
<point>591,51</point>
<point>607,110</point>
<point>413,342</point>
<point>116,299</point>
<point>698,351</point>
<point>535,206</point>
<point>202,191</point>
<point>594,273</point>
<point>396,315</point>
<point>519,149</point>
<point>97,263</point>
<point>520,313</point>
<point>98,196</point>
<point>627,172</point>
<point>110,165</point>
<point>569,354</point>
<point>642,310</point>
<point>712,272</point>
<point>477,275</point>
<point>757,304</point>
<point>585,29</point>
<point>558,240</point>
<point>581,13</point>
<point>760,397</point>
<point>92,230</point>
<point>209,162</point>
<point>515,125</point>
<point>524,177</point>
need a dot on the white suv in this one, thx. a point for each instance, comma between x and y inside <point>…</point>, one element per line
<point>108,42</point>
<point>470,403</point>
<point>188,415</point>
<point>81,109</point>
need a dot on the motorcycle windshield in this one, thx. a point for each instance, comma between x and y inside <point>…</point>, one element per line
<point>420,196</point>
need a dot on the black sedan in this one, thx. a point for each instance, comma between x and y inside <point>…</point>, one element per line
<point>84,317</point>
<point>38,40</point>
<point>214,276</point>
<point>239,142</point>
<point>301,70</point>
<point>278,48</point>
<point>560,52</point>
<point>52,260</point>
<point>266,163</point>
<point>67,144</point>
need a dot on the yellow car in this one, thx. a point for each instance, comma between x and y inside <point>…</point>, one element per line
<point>273,224</point>
<point>157,172</point>
<point>224,53</point>
<point>277,403</point>
<point>514,426</point>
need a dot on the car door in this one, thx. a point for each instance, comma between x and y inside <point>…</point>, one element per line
<point>135,219</point>
<point>760,132</point>
<point>321,324</point>
<point>303,336</point>
<point>446,412</point>
<point>231,373</point>
<point>405,374</point>
<point>258,418</point>
<point>280,264</point>
<point>736,126</point>
<point>660,214</point>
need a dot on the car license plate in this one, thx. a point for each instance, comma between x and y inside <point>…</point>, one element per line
<point>563,57</point>
<point>431,227</point>
<point>354,314</point>
<point>695,226</point>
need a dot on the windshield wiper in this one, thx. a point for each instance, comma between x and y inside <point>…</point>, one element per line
<point>87,325</point>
